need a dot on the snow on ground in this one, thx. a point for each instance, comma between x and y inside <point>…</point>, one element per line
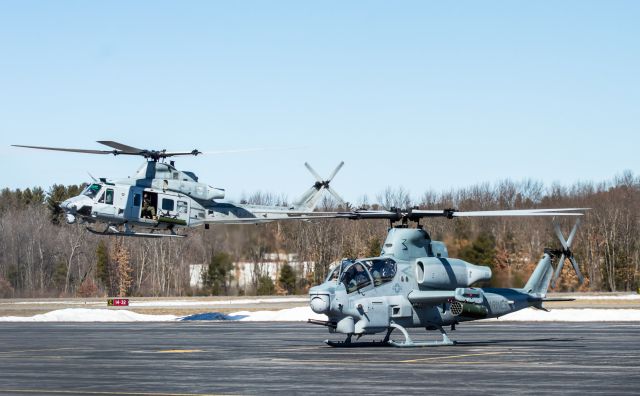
<point>165,302</point>
<point>252,301</point>
<point>297,314</point>
<point>89,315</point>
<point>301,314</point>
<point>187,303</point>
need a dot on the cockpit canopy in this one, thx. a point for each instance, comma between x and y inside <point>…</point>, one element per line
<point>356,275</point>
<point>92,190</point>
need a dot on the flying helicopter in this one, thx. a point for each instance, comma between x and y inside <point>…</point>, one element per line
<point>161,199</point>
<point>414,282</point>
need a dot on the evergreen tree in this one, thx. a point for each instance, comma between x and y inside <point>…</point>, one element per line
<point>287,279</point>
<point>102,265</point>
<point>265,286</point>
<point>58,193</point>
<point>216,278</point>
<point>482,251</point>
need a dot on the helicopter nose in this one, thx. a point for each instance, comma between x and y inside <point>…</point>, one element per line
<point>67,205</point>
<point>320,303</point>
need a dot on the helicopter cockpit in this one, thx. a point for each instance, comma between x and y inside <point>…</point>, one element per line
<point>356,275</point>
<point>92,190</point>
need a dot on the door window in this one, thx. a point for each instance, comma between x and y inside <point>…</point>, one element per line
<point>109,196</point>
<point>167,204</point>
<point>182,207</point>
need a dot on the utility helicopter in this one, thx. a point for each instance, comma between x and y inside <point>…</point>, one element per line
<point>160,199</point>
<point>414,282</point>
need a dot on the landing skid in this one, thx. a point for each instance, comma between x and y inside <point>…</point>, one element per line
<point>356,344</point>
<point>407,343</point>
<point>111,230</point>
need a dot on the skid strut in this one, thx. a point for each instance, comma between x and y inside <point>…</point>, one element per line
<point>409,343</point>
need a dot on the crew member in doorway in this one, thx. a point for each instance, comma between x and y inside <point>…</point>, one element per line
<point>148,210</point>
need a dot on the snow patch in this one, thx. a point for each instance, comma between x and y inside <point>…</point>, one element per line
<point>187,303</point>
<point>301,314</point>
<point>298,314</point>
<point>89,315</point>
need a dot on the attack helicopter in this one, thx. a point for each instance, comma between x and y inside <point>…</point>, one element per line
<point>414,282</point>
<point>161,199</point>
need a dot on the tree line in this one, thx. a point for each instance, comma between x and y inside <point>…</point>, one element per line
<point>42,256</point>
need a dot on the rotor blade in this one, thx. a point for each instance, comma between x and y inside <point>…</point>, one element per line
<point>120,146</point>
<point>573,232</point>
<point>556,228</point>
<point>556,275</point>
<point>335,171</point>
<point>313,172</point>
<point>231,151</point>
<point>176,153</point>
<point>336,195</point>
<point>554,209</point>
<point>500,213</point>
<point>68,149</point>
<point>577,269</point>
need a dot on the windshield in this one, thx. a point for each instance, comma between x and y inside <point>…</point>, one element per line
<point>337,270</point>
<point>355,277</point>
<point>382,270</point>
<point>92,190</point>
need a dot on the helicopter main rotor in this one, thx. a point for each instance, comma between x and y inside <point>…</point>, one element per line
<point>121,149</point>
<point>413,214</point>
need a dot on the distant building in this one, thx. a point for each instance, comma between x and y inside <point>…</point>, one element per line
<point>246,273</point>
<point>195,275</point>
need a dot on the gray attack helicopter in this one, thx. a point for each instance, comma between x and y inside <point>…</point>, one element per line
<point>414,282</point>
<point>161,199</point>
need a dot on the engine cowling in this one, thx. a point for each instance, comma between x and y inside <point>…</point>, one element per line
<point>448,273</point>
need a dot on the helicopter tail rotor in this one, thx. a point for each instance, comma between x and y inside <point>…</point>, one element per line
<point>310,198</point>
<point>566,253</point>
<point>320,183</point>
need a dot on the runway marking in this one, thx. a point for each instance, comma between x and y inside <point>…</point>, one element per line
<point>346,362</point>
<point>180,351</point>
<point>85,392</point>
<point>453,356</point>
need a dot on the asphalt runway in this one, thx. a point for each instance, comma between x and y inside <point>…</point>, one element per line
<point>180,358</point>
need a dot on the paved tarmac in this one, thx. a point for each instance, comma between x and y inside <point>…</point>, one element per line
<point>290,358</point>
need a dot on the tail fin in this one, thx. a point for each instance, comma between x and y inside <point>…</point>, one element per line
<point>309,199</point>
<point>539,281</point>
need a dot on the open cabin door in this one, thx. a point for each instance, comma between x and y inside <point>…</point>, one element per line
<point>134,203</point>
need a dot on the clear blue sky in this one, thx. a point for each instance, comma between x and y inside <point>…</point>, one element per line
<point>424,95</point>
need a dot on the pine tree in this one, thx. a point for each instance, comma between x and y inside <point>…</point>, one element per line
<point>216,278</point>
<point>265,286</point>
<point>287,279</point>
<point>482,252</point>
<point>102,265</point>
